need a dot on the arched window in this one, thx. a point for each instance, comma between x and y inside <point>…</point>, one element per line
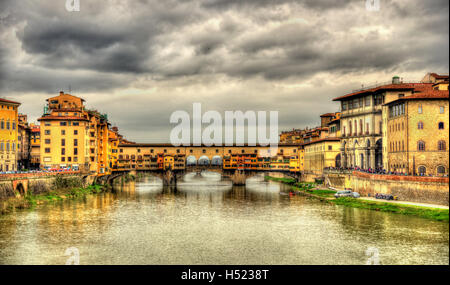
<point>441,145</point>
<point>403,145</point>
<point>420,125</point>
<point>441,125</point>
<point>421,146</point>
<point>356,128</point>
<point>440,170</point>
<point>422,170</point>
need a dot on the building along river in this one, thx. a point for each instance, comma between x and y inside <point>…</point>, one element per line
<point>208,221</point>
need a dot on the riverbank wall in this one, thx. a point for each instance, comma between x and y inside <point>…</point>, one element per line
<point>433,190</point>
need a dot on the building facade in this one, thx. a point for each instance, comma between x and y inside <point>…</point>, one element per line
<point>35,142</point>
<point>23,143</point>
<point>418,134</point>
<point>64,134</point>
<point>361,122</point>
<point>9,120</point>
<point>321,154</point>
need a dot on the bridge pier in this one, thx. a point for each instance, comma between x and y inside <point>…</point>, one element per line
<point>169,178</point>
<point>238,178</point>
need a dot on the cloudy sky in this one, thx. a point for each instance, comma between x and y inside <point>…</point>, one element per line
<point>141,60</point>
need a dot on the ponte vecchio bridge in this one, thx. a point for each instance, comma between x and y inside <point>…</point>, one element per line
<point>170,162</point>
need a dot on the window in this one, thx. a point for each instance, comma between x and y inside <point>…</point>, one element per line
<point>421,146</point>
<point>441,145</point>
<point>420,125</point>
<point>47,132</point>
<point>75,132</point>
<point>47,141</point>
<point>63,151</point>
<point>441,109</point>
<point>63,142</point>
<point>422,170</point>
<point>330,147</point>
<point>63,132</point>
<point>75,142</point>
<point>420,109</point>
<point>441,125</point>
<point>47,150</point>
<point>75,151</point>
<point>63,159</point>
<point>441,169</point>
<point>367,100</point>
<point>63,123</point>
<point>344,105</point>
<point>76,123</point>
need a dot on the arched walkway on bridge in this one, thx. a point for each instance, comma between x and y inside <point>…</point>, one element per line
<point>216,160</point>
<point>191,160</point>
<point>203,160</point>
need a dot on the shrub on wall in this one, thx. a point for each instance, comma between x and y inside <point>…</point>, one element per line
<point>6,191</point>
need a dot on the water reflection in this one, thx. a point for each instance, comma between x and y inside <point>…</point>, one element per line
<point>205,220</point>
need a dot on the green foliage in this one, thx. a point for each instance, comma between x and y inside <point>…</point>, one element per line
<point>62,182</point>
<point>423,212</point>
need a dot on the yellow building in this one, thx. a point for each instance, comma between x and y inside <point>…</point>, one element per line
<point>321,154</point>
<point>64,134</point>
<point>301,159</point>
<point>417,133</point>
<point>35,142</point>
<point>8,135</point>
<point>113,147</point>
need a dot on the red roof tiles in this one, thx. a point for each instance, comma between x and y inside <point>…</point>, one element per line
<point>9,101</point>
<point>399,86</point>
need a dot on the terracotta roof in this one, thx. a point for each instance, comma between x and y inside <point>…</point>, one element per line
<point>438,76</point>
<point>328,115</point>
<point>399,86</point>
<point>9,101</point>
<point>62,118</point>
<point>334,120</point>
<point>427,95</point>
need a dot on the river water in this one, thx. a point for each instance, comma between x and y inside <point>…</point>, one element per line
<point>208,221</point>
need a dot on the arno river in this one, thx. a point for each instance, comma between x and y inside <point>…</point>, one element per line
<point>207,221</point>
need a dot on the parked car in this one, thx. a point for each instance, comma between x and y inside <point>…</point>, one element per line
<point>355,195</point>
<point>343,193</point>
<point>384,196</point>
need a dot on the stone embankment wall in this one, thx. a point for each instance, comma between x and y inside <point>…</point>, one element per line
<point>433,190</point>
